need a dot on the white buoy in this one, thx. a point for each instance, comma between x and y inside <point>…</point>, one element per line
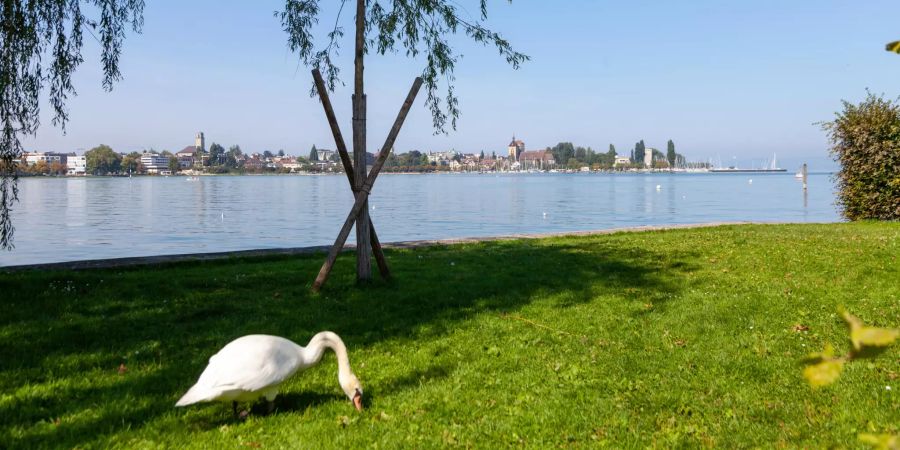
<point>751,181</point>
<point>545,214</point>
<point>658,187</point>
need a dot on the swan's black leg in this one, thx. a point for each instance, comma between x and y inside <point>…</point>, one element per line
<point>234,409</point>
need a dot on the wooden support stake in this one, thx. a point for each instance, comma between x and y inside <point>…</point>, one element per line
<point>383,267</point>
<point>363,194</point>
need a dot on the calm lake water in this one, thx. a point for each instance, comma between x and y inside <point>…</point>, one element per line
<point>69,219</point>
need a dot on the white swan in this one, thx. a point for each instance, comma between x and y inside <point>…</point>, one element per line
<point>254,366</point>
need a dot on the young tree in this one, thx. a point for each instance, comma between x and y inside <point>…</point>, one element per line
<point>173,164</point>
<point>414,26</point>
<point>670,153</point>
<point>130,162</point>
<point>41,44</point>
<point>281,152</point>
<point>57,168</point>
<point>609,158</point>
<point>231,158</point>
<point>39,168</point>
<point>102,160</point>
<point>639,151</point>
<point>581,154</point>
<point>313,154</point>
<point>562,152</point>
<point>482,155</point>
<point>216,154</point>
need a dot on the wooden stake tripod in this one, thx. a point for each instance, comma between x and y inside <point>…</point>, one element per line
<point>361,186</point>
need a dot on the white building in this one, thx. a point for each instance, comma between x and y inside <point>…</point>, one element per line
<point>47,157</point>
<point>289,163</point>
<point>622,161</point>
<point>76,165</point>
<point>324,159</point>
<point>648,158</point>
<point>441,158</point>
<point>324,155</point>
<point>154,163</point>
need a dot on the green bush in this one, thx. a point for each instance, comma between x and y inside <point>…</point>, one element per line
<point>865,140</point>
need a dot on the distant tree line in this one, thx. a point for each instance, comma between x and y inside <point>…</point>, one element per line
<point>103,160</point>
<point>569,156</point>
<point>413,160</point>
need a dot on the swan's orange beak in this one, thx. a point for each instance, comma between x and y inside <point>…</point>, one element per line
<point>357,401</point>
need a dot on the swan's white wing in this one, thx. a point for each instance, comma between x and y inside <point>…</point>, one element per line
<point>250,364</point>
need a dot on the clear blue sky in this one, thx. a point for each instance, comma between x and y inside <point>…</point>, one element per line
<point>743,79</point>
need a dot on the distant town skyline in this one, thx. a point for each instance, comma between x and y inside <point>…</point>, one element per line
<point>734,82</point>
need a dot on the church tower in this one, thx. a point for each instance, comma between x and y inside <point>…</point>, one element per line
<point>515,149</point>
<point>200,142</point>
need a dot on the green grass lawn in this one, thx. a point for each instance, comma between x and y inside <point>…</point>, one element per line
<point>681,338</point>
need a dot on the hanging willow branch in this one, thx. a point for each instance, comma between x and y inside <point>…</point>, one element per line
<point>40,47</point>
<point>417,27</point>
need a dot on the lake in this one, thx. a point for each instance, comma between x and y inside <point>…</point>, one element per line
<point>65,219</point>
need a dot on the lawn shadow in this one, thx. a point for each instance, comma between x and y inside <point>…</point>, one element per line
<point>168,320</point>
<point>299,401</point>
<point>285,403</point>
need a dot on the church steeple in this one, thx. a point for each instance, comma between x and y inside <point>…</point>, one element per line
<point>200,142</point>
<point>516,148</point>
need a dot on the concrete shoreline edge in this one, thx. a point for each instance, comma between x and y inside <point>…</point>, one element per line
<point>136,261</point>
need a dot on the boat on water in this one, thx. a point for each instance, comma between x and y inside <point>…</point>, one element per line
<point>772,168</point>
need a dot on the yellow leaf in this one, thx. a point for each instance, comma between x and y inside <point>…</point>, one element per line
<point>881,441</point>
<point>852,321</point>
<point>823,373</point>
<point>827,353</point>
<point>875,337</point>
<point>862,335</point>
<point>893,47</point>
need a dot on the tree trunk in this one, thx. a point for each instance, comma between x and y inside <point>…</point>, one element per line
<point>362,194</point>
<point>363,244</point>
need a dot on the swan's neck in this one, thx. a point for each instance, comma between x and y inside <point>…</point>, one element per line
<point>321,341</point>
